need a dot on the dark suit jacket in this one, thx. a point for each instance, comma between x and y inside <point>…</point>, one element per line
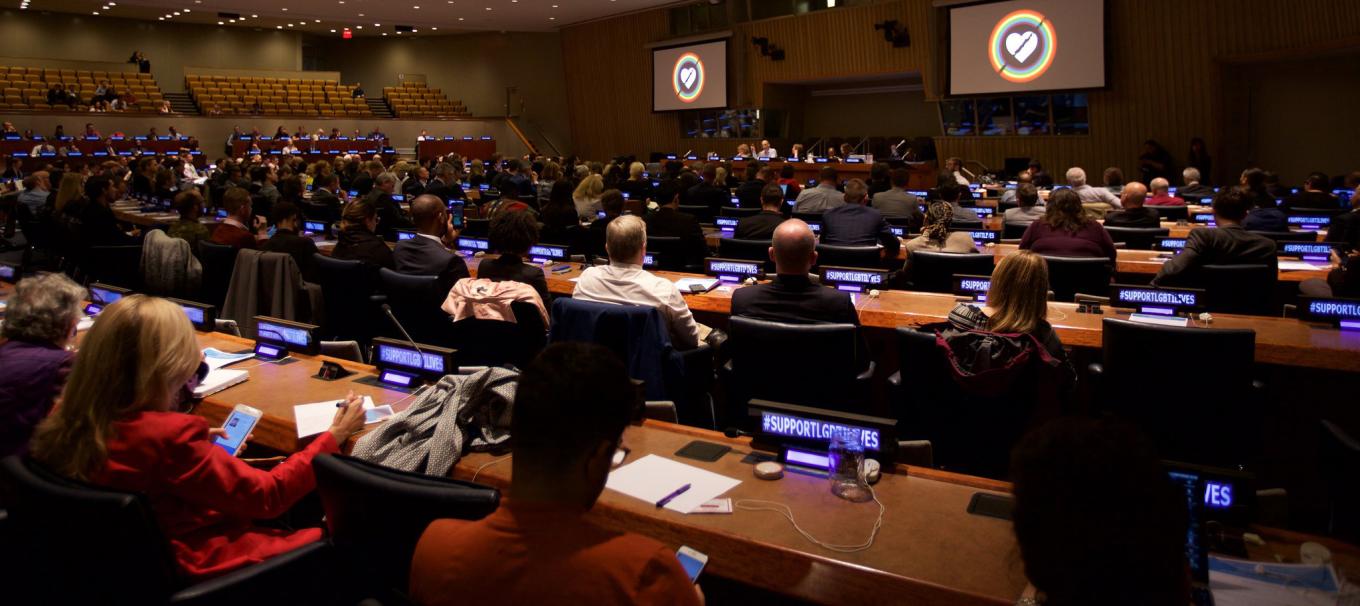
<point>673,223</point>
<point>758,227</point>
<point>422,256</point>
<point>390,215</point>
<point>713,197</point>
<point>595,237</point>
<point>794,299</point>
<point>858,225</point>
<point>748,193</point>
<point>234,236</point>
<point>1345,227</point>
<point>1266,219</point>
<point>321,196</point>
<point>1312,199</point>
<point>301,249</point>
<point>98,227</point>
<point>513,268</point>
<point>1227,245</point>
<point>1140,217</point>
<point>637,190</point>
<point>445,191</point>
<point>413,187</point>
<point>362,183</point>
<point>359,244</point>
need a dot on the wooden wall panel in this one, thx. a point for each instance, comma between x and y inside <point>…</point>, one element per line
<point>1164,61</point>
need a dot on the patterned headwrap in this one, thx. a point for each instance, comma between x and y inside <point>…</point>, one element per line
<point>938,218</point>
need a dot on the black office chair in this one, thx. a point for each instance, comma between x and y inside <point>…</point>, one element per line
<point>261,206</point>
<point>749,250</point>
<point>930,271</point>
<point>346,288</point>
<point>970,433</point>
<point>1211,416</point>
<point>1288,236</point>
<point>1339,464</point>
<point>415,301</point>
<point>830,374</point>
<point>219,261</point>
<point>1317,212</point>
<point>869,257</point>
<point>115,265</point>
<point>1068,276</point>
<point>1137,238</point>
<point>43,248</point>
<point>319,212</point>
<point>476,228</point>
<point>671,254</point>
<point>1172,213</point>
<point>732,211</point>
<point>1240,289</point>
<point>816,217</point>
<point>83,544</point>
<point>699,211</point>
<point>376,516</point>
<point>683,377</point>
<point>958,224</point>
<point>1012,231</point>
<point>483,342</point>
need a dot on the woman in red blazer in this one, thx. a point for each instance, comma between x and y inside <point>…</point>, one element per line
<point>117,426</point>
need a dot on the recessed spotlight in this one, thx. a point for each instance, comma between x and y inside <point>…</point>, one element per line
<point>254,16</point>
<point>285,10</point>
<point>358,27</point>
<point>361,14</point>
<point>488,8</point>
<point>290,25</point>
<point>377,25</point>
<point>160,18</point>
<point>221,23</point>
<point>332,31</point>
<point>317,20</point>
<point>435,28</point>
<point>552,18</point>
<point>176,13</point>
<point>384,33</point>
<point>95,13</point>
<point>278,27</point>
<point>460,18</point>
<point>415,7</point>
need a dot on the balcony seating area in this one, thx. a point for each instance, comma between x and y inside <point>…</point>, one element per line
<point>417,100</point>
<point>254,95</point>
<point>25,88</point>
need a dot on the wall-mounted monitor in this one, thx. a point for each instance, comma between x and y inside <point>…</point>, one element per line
<point>1026,45</point>
<point>693,76</point>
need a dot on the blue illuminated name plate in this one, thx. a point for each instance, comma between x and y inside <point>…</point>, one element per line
<point>1308,251</point>
<point>474,245</point>
<point>542,253</point>
<point>974,287</point>
<point>1203,218</point>
<point>1159,301</point>
<point>1175,245</point>
<point>1218,495</point>
<point>789,426</point>
<point>853,280</point>
<point>265,351</point>
<point>9,273</point>
<point>426,361</point>
<point>733,270</point>
<point>1310,222</point>
<point>392,377</point>
<point>1344,313</point>
<point>728,224</point>
<point>403,234</point>
<point>807,459</point>
<point>287,335</point>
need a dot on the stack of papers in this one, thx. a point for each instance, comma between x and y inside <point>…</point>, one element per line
<point>1299,266</point>
<point>217,358</point>
<point>1244,583</point>
<point>652,477</point>
<point>218,380</point>
<point>312,419</point>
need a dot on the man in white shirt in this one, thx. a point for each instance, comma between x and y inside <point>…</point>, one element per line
<point>37,186</point>
<point>766,152</point>
<point>822,198</point>
<point>1096,200</point>
<point>624,282</point>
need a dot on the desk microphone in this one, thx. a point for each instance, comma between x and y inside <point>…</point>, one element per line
<point>733,432</point>
<point>387,309</point>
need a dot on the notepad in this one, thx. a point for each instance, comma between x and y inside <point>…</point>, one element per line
<point>218,380</point>
<point>216,358</point>
<point>312,419</point>
<point>653,477</point>
<point>686,284</point>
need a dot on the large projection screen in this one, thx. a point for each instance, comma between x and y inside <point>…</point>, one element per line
<point>690,77</point>
<point>1026,45</point>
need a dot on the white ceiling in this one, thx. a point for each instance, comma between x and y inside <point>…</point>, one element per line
<point>374,16</point>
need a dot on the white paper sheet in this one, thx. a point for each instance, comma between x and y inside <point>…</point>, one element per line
<point>217,358</point>
<point>1241,583</point>
<point>312,419</point>
<point>684,284</point>
<point>218,380</point>
<point>1299,266</point>
<point>653,477</point>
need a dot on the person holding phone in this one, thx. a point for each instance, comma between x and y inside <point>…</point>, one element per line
<point>118,426</point>
<point>539,547</point>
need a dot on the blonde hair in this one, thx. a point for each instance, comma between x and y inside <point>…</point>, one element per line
<point>72,187</point>
<point>590,187</point>
<point>1019,293</point>
<point>137,355</point>
<point>635,170</point>
<point>625,237</point>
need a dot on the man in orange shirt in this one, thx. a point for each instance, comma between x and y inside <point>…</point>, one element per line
<point>235,230</point>
<point>540,547</point>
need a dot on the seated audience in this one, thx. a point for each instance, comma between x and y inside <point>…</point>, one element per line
<point>954,194</point>
<point>1313,196</point>
<point>748,193</point>
<point>1263,215</point>
<point>571,406</point>
<point>119,426</point>
<point>1067,230</point>
<point>761,226</point>
<point>854,224</point>
<point>326,191</point>
<point>1017,303</point>
<point>668,221</point>
<point>1096,519</point>
<point>445,183</point>
<point>189,205</point>
<point>264,182</point>
<point>1256,189</point>
<point>1133,213</point>
<point>415,183</point>
<point>390,215</point>
<point>37,189</point>
<point>512,235</point>
<point>1342,281</point>
<point>358,240</point>
<point>558,212</point>
<point>897,203</point>
<point>710,192</point>
<point>287,224</point>
<point>788,183</point>
<point>1160,196</point>
<point>428,253</point>
<point>1227,244</point>
<point>234,231</point>
<point>935,235</point>
<point>1008,196</point>
<point>98,226</point>
<point>39,323</point>
<point>1114,180</point>
<point>611,201</point>
<point>1345,227</point>
<point>1192,189</point>
<point>1096,200</point>
<point>624,281</point>
<point>587,197</point>
<point>1027,210</point>
<point>822,198</point>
